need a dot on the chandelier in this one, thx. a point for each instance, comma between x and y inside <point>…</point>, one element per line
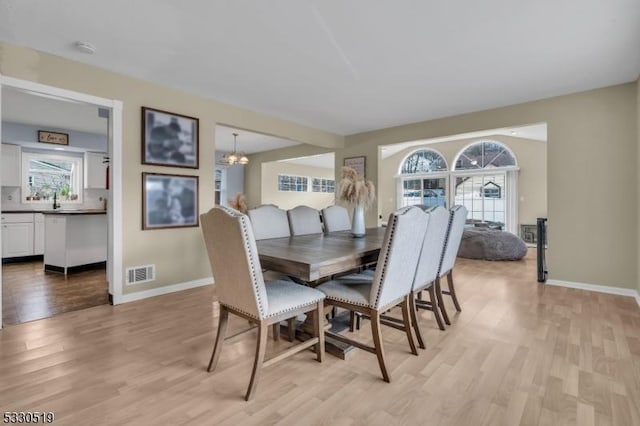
<point>235,157</point>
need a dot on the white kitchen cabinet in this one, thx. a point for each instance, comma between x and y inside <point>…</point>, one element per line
<point>11,165</point>
<point>17,234</point>
<point>95,171</point>
<point>38,234</point>
<point>74,239</point>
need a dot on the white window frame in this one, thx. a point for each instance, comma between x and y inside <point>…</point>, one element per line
<point>400,179</point>
<point>326,185</point>
<point>77,176</point>
<point>290,175</point>
<point>510,191</point>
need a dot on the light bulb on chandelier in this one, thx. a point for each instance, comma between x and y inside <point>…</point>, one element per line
<point>235,157</point>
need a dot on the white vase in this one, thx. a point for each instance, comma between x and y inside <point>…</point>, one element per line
<point>357,223</point>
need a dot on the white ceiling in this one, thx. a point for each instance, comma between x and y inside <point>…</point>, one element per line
<point>26,107</point>
<point>248,142</point>
<point>346,66</point>
<point>536,132</point>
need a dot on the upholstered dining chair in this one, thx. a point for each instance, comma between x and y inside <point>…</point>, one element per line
<point>428,266</point>
<point>304,220</point>
<point>268,221</point>
<point>391,284</point>
<point>458,216</point>
<point>241,290</point>
<point>335,218</point>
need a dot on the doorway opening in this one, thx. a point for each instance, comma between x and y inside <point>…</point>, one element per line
<point>60,199</point>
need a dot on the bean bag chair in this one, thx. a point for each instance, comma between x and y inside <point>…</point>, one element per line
<point>488,244</point>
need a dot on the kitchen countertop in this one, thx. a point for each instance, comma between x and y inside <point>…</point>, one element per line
<point>59,211</point>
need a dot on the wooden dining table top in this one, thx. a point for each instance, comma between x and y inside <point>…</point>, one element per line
<point>315,256</point>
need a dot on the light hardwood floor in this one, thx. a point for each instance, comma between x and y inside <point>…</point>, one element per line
<point>519,353</point>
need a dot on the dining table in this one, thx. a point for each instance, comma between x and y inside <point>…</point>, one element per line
<point>315,258</point>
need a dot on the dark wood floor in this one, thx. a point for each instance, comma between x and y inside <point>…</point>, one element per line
<point>28,293</point>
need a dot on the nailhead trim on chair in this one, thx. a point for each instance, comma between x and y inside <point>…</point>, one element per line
<point>446,241</point>
<point>239,310</point>
<point>392,225</point>
<point>293,308</point>
<point>244,221</point>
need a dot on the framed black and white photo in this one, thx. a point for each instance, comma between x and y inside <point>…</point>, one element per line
<point>169,139</point>
<point>169,201</point>
<point>356,163</point>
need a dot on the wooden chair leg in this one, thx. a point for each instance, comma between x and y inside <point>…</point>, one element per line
<point>435,307</point>
<point>443,310</point>
<point>276,331</point>
<point>291,329</point>
<point>406,318</point>
<point>452,291</point>
<point>318,331</point>
<point>352,321</point>
<point>377,343</point>
<point>414,320</point>
<point>261,348</point>
<point>358,321</point>
<point>222,331</point>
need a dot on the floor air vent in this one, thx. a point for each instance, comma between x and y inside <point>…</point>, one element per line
<point>141,274</point>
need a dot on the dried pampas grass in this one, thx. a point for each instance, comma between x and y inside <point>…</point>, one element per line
<point>238,203</point>
<point>354,189</point>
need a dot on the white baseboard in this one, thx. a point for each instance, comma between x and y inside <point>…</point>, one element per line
<point>629,292</point>
<point>139,295</point>
<point>638,297</point>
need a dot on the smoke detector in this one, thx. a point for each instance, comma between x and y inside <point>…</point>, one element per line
<point>85,47</point>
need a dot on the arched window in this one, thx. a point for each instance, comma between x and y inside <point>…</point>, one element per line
<point>426,190</point>
<point>424,161</point>
<point>483,155</point>
<point>485,183</point>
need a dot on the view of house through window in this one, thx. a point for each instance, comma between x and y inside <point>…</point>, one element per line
<point>483,196</point>
<point>482,175</point>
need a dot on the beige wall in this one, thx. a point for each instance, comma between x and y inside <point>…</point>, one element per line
<point>158,247</point>
<point>532,179</point>
<point>591,176</point>
<point>592,149</point>
<point>253,170</point>
<point>289,200</point>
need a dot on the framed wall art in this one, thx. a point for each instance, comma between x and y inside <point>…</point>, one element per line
<point>169,201</point>
<point>357,163</point>
<point>169,139</point>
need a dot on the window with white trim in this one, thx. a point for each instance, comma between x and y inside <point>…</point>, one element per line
<point>485,183</point>
<point>291,183</point>
<point>323,185</point>
<point>44,175</point>
<point>423,179</point>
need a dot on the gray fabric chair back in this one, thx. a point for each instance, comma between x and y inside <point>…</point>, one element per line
<point>399,255</point>
<point>336,218</point>
<point>232,251</point>
<point>268,221</point>
<point>431,253</point>
<point>458,217</point>
<point>304,220</point>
